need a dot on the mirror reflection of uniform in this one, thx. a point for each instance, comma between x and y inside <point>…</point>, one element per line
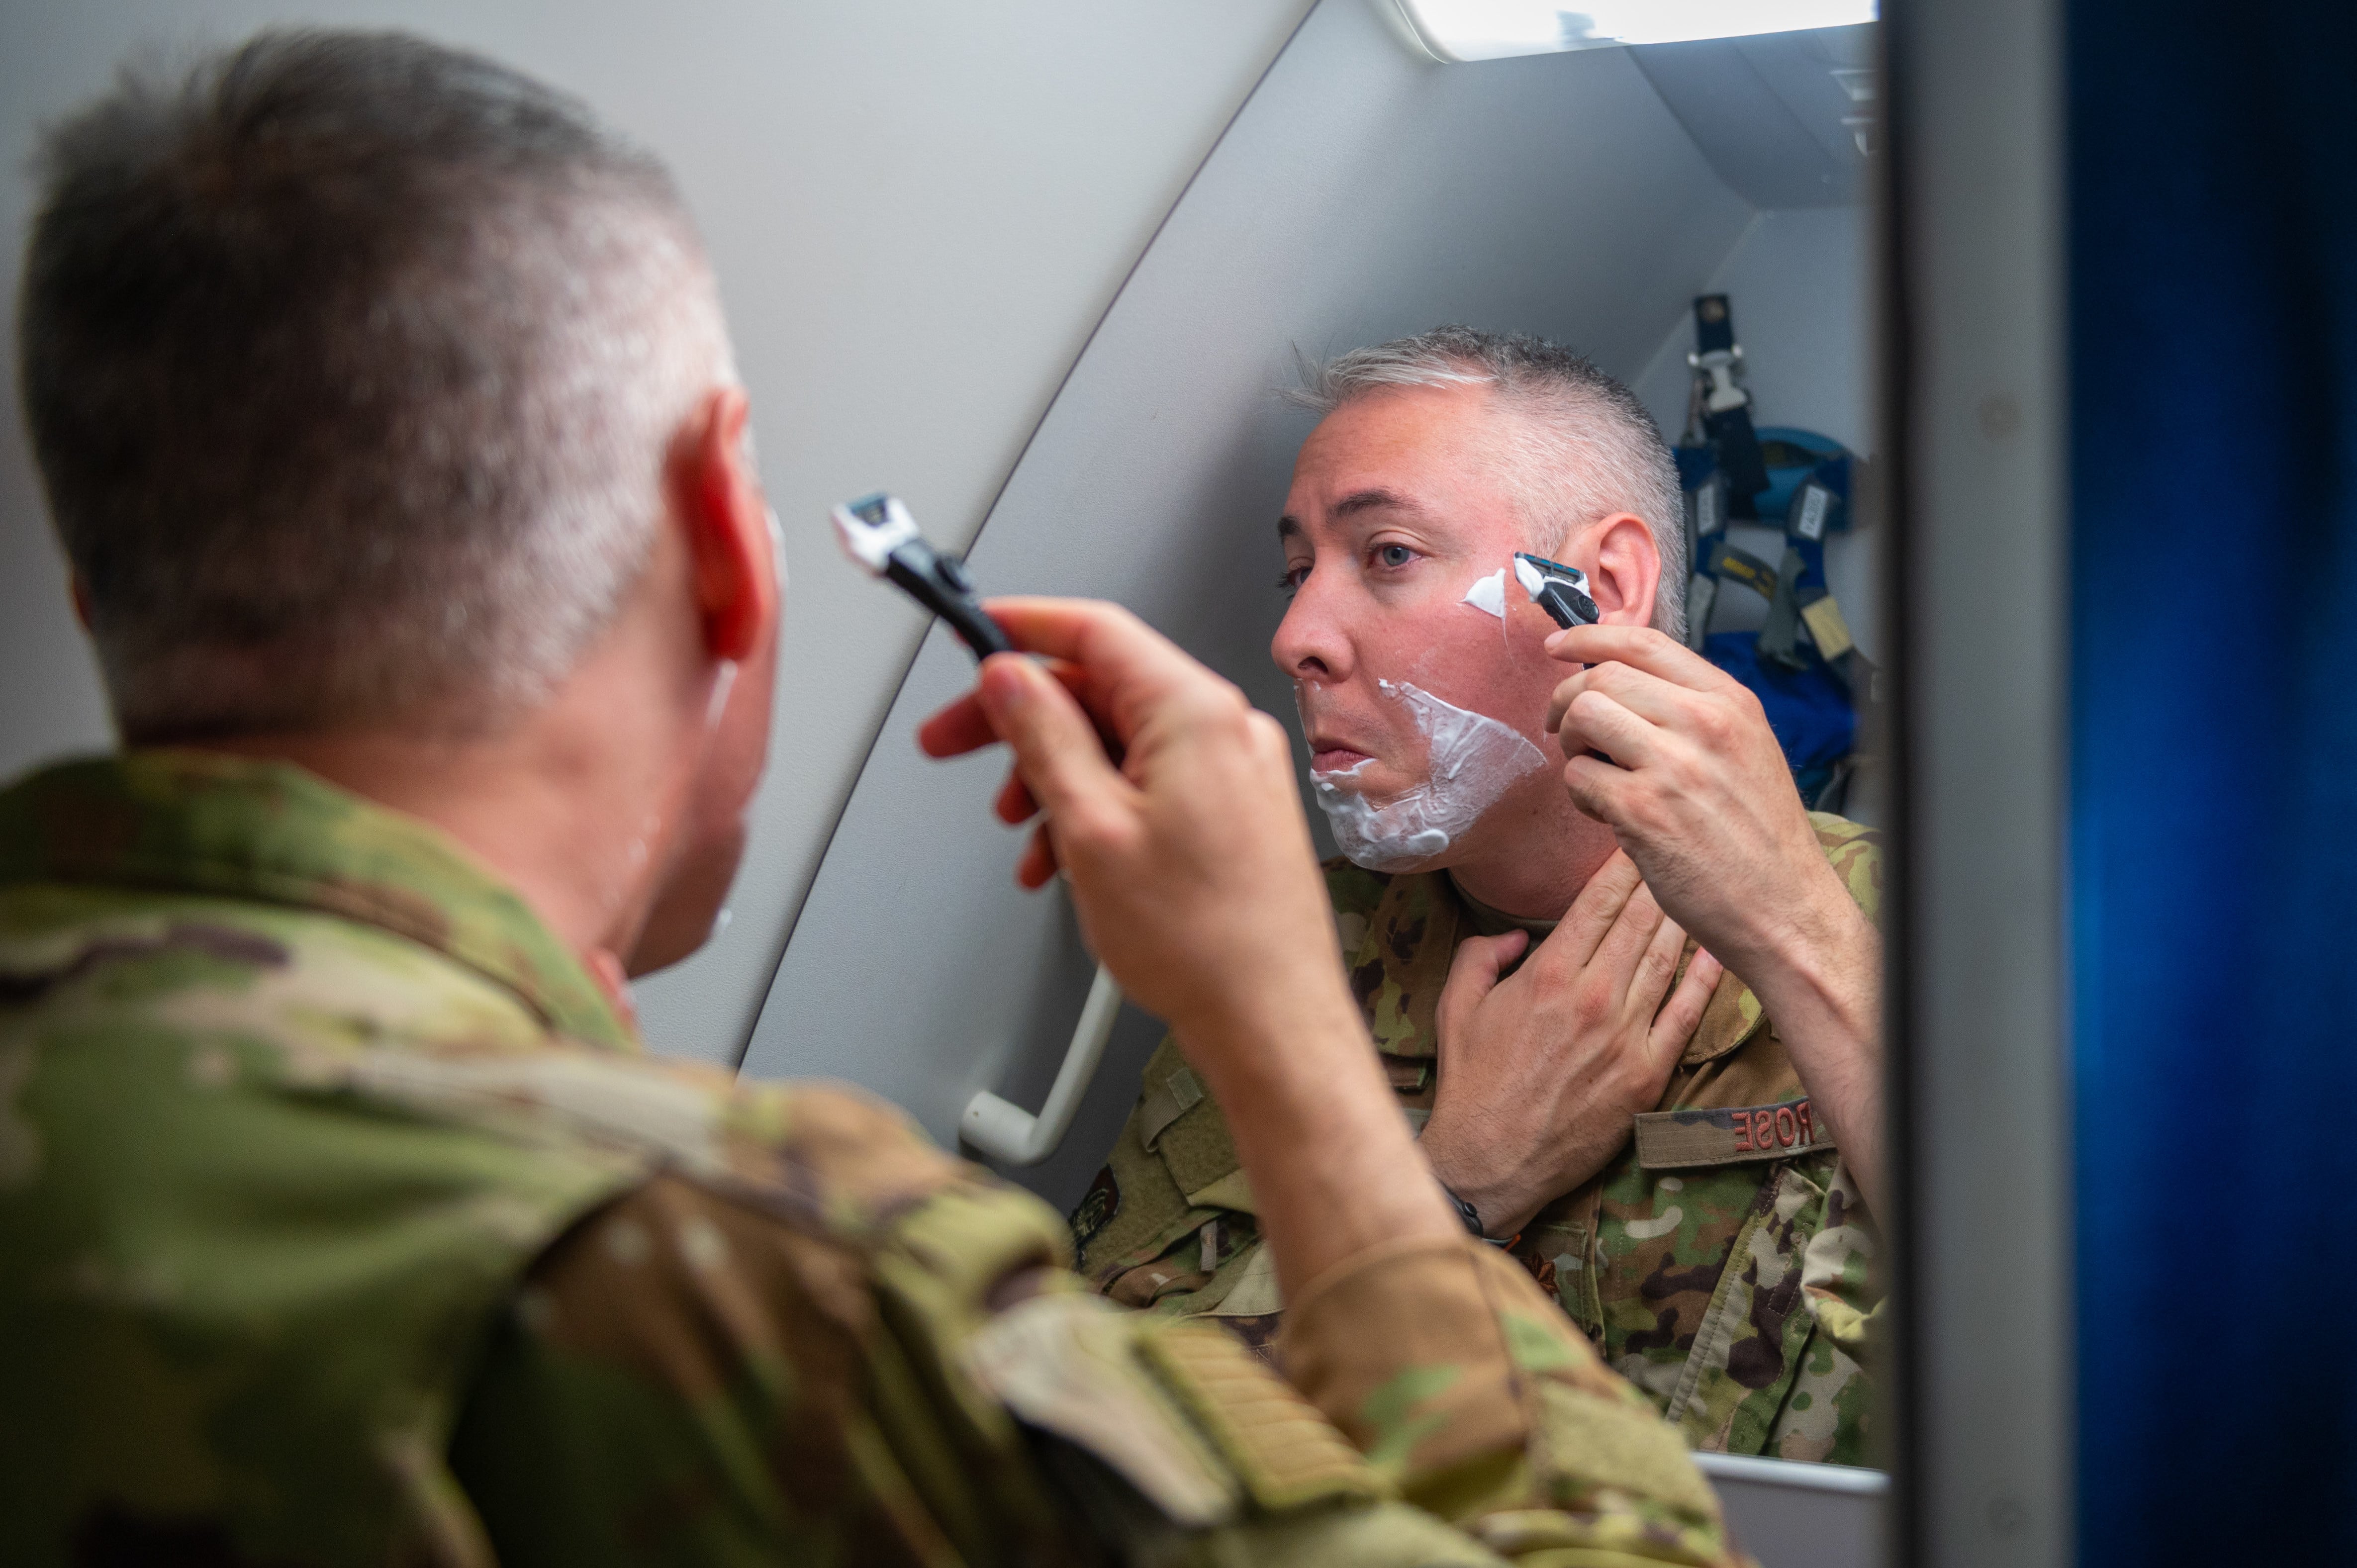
<point>388,420</point>
<point>1686,1162</point>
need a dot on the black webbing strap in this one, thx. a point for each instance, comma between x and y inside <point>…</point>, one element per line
<point>1727,408</point>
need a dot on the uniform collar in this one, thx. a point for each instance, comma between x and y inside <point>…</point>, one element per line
<point>194,821</point>
<point>1488,921</point>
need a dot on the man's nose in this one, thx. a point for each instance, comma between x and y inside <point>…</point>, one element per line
<point>1312,641</point>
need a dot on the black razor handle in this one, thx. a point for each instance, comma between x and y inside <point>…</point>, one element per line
<point>942,585</point>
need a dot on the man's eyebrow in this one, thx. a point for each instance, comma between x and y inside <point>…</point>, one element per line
<point>1289,527</point>
<point>1367,500</point>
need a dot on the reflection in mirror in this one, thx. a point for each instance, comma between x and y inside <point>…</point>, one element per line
<point>1657,258</point>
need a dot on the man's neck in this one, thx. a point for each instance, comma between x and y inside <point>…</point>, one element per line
<point>538,807</point>
<point>1532,855</point>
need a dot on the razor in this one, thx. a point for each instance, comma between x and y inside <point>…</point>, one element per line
<point>881,539</point>
<point>1558,589</point>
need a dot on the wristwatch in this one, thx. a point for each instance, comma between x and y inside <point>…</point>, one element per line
<point>1472,1217</point>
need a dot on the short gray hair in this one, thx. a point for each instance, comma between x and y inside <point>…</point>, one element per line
<point>1585,448</point>
<point>351,364</point>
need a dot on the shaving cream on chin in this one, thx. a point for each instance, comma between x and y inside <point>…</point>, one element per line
<point>1473,761</point>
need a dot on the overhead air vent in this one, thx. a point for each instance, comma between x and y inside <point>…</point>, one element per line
<point>1786,121</point>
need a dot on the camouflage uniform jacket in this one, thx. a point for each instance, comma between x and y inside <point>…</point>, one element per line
<point>1720,1262</point>
<point>342,1223</point>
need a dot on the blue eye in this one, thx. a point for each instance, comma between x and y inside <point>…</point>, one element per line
<point>1395,555</point>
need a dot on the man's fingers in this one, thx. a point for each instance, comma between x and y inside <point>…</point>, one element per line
<point>1014,805</point>
<point>1621,953</point>
<point>957,729</point>
<point>1680,1016</point>
<point>1057,750</point>
<point>1575,937</point>
<point>1657,966</point>
<point>1129,665</point>
<point>1642,647</point>
<point>1473,974</point>
<point>1595,722</point>
<point>1643,693</point>
<point>963,726</point>
<point>1038,866</point>
<point>1595,787</point>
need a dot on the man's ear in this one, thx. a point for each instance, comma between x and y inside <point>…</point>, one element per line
<point>1627,570</point>
<point>719,501</point>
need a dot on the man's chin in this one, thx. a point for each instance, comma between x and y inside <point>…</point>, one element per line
<point>1371,778</point>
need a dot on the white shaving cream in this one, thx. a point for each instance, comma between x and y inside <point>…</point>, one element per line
<point>1489,593</point>
<point>1473,761</point>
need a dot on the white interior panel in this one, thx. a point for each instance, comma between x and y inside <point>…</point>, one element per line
<point>1361,194</point>
<point>917,210</point>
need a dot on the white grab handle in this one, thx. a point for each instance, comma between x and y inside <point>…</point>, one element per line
<point>1009,1133</point>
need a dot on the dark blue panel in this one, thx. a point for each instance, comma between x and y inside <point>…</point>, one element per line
<point>2213,340</point>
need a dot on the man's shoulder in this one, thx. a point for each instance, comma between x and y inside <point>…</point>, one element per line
<point>217,1009</point>
<point>99,958</point>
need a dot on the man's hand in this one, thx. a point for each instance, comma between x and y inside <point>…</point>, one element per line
<point>1697,790</point>
<point>1698,794</point>
<point>1541,1073</point>
<point>1191,867</point>
<point>1189,861</point>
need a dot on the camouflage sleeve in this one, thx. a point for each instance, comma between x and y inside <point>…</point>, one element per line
<point>791,1372</point>
<point>1468,1390</point>
<point>1837,1270</point>
<point>1856,854</point>
<point>684,1379</point>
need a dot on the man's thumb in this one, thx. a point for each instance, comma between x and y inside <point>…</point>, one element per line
<point>1056,749</point>
<point>1473,973</point>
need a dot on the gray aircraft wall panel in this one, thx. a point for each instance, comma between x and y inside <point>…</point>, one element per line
<point>1361,194</point>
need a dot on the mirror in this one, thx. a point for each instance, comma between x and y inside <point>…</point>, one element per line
<point>1363,194</point>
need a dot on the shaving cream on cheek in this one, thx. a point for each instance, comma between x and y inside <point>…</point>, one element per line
<point>1489,593</point>
<point>1473,761</point>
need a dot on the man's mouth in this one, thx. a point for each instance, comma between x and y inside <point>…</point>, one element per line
<point>1331,756</point>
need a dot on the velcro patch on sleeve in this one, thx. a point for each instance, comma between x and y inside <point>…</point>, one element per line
<point>1286,1454</point>
<point>1068,1363</point>
<point>1731,1136</point>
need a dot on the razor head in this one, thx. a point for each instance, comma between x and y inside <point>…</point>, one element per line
<point>1558,589</point>
<point>871,527</point>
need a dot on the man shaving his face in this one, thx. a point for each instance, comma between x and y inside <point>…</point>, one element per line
<point>1626,985</point>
